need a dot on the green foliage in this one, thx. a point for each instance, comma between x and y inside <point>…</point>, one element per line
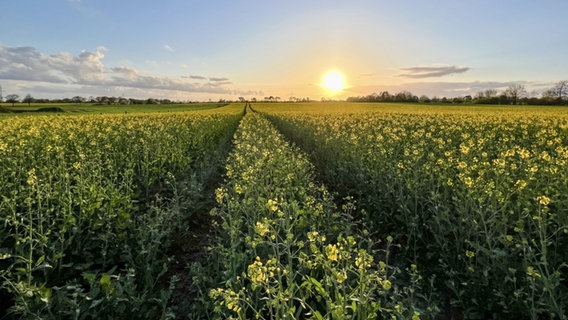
<point>284,251</point>
<point>479,201</point>
<point>463,206</point>
<point>88,204</point>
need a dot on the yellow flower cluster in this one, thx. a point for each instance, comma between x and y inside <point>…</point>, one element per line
<point>262,228</point>
<point>543,200</point>
<point>261,274</point>
<point>331,252</point>
<point>230,298</point>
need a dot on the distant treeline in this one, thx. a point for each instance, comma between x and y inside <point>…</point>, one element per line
<point>514,94</point>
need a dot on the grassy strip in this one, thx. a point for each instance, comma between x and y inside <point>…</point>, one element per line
<point>283,250</point>
<point>88,205</point>
<point>74,108</point>
<point>478,200</point>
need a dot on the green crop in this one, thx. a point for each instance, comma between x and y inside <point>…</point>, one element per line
<point>478,199</point>
<point>326,211</point>
<point>87,205</point>
<point>283,249</point>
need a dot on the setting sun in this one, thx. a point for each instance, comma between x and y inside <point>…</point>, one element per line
<point>333,81</point>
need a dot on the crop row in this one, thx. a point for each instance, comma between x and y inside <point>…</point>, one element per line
<point>284,251</point>
<point>88,203</point>
<point>478,201</point>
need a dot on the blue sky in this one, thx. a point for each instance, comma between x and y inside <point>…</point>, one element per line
<point>199,50</point>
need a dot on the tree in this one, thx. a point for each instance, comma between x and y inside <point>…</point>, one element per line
<point>13,98</point>
<point>514,92</point>
<point>78,99</point>
<point>488,96</point>
<point>424,99</point>
<point>28,99</point>
<point>560,90</point>
<point>405,96</point>
<point>490,93</point>
<point>385,96</point>
<point>549,97</point>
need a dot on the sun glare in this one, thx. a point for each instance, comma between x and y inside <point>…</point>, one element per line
<point>333,81</point>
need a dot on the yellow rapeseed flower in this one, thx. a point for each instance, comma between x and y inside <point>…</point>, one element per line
<point>531,272</point>
<point>219,195</point>
<point>341,276</point>
<point>272,205</point>
<point>331,252</point>
<point>521,184</point>
<point>543,200</point>
<point>32,178</point>
<point>261,228</point>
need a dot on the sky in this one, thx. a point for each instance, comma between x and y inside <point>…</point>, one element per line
<point>224,49</point>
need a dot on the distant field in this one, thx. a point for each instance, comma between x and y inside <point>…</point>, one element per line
<point>51,108</point>
<point>357,107</point>
<point>34,108</point>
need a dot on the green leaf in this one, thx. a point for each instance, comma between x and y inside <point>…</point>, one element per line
<point>40,260</point>
<point>317,315</point>
<point>90,277</point>
<point>96,303</point>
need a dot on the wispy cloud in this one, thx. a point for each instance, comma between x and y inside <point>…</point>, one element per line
<point>87,68</point>
<point>213,81</point>
<point>168,48</point>
<point>431,71</point>
<point>198,77</point>
<point>218,79</point>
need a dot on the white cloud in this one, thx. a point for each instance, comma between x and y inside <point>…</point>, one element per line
<point>88,69</point>
<point>168,48</point>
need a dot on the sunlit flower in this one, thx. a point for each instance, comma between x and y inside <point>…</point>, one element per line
<point>543,200</point>
<point>341,276</point>
<point>272,205</point>
<point>32,178</point>
<point>531,272</point>
<point>331,252</point>
<point>261,228</point>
